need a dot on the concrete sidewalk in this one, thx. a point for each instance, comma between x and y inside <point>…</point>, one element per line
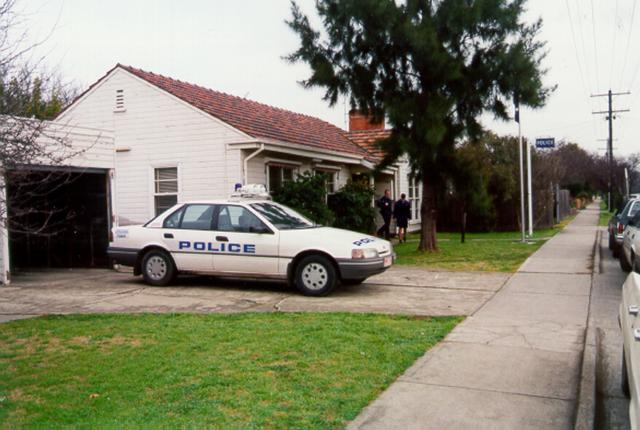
<point>516,362</point>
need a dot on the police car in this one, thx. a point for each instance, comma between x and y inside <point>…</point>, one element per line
<point>248,235</point>
<point>628,318</point>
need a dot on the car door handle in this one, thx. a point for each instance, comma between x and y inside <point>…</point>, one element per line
<point>222,238</point>
<point>168,236</point>
<point>633,309</point>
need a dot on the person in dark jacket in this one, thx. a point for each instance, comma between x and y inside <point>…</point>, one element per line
<point>402,214</point>
<point>385,204</point>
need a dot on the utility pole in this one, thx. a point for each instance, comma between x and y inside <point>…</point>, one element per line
<point>626,183</point>
<point>609,112</point>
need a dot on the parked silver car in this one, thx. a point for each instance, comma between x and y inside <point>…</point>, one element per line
<point>630,256</point>
<point>618,222</point>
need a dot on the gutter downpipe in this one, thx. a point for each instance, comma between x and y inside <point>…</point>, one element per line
<point>246,162</point>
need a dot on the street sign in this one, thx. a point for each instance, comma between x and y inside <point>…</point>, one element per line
<point>546,142</point>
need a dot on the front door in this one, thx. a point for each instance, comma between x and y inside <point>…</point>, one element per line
<point>188,235</point>
<point>244,243</point>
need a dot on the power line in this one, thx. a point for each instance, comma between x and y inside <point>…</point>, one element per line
<point>584,47</point>
<point>595,45</point>
<point>581,70</point>
<point>626,53</point>
<point>575,48</point>
<point>613,47</point>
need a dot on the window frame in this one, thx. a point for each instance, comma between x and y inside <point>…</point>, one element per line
<point>154,194</point>
<point>281,166</point>
<point>330,173</point>
<point>184,208</point>
<point>216,218</point>
<point>414,196</point>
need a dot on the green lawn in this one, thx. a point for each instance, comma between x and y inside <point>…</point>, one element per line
<point>266,370</point>
<point>605,215</point>
<point>491,252</point>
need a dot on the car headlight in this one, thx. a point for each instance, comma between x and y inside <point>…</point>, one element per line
<point>364,253</point>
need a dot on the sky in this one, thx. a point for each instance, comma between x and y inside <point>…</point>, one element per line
<point>236,46</point>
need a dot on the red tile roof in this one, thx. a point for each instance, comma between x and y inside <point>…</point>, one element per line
<point>256,119</point>
<point>367,139</point>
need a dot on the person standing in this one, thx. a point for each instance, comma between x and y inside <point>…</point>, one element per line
<point>385,204</point>
<point>402,214</point>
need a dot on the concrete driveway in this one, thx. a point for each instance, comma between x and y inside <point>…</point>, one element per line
<point>398,291</point>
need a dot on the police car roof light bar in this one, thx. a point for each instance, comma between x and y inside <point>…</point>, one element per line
<point>252,191</point>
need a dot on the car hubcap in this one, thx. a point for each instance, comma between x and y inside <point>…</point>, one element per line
<point>314,276</point>
<point>156,268</point>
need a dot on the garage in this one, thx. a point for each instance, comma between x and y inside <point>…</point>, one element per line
<point>58,218</point>
<point>56,211</point>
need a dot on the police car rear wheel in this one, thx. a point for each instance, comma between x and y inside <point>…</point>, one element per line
<point>157,268</point>
<point>315,276</point>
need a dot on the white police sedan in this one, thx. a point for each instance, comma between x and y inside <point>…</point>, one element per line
<point>629,319</point>
<point>248,237</point>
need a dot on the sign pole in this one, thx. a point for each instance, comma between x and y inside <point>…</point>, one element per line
<point>522,215</point>
<point>530,193</point>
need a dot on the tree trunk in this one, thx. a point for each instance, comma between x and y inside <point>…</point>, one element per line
<point>428,213</point>
<point>463,225</point>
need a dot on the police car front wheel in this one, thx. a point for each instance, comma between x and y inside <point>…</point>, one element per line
<point>315,276</point>
<point>157,268</point>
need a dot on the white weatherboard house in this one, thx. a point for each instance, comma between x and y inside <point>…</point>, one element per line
<point>174,141</point>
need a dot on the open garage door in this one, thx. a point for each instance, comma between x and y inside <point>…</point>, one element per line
<point>58,218</point>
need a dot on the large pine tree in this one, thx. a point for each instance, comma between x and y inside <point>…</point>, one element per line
<point>431,67</point>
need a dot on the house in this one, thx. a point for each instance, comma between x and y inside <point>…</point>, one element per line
<point>175,141</point>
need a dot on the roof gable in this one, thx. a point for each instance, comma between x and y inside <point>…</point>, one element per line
<point>256,119</point>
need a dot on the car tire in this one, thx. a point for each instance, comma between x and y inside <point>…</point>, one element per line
<point>315,275</point>
<point>352,281</point>
<point>624,264</point>
<point>611,243</point>
<point>635,267</point>
<point>158,268</point>
<point>624,377</point>
<point>615,251</point>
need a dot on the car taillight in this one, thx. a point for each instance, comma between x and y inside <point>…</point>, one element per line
<point>620,228</point>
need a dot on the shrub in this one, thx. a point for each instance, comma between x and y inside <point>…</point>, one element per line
<point>352,207</point>
<point>308,195</point>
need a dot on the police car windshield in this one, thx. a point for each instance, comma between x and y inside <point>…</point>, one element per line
<point>282,217</point>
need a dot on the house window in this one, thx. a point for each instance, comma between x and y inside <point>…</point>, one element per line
<point>330,179</point>
<point>278,176</point>
<point>414,196</point>
<point>165,182</point>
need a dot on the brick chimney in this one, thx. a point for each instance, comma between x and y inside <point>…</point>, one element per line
<point>361,122</point>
